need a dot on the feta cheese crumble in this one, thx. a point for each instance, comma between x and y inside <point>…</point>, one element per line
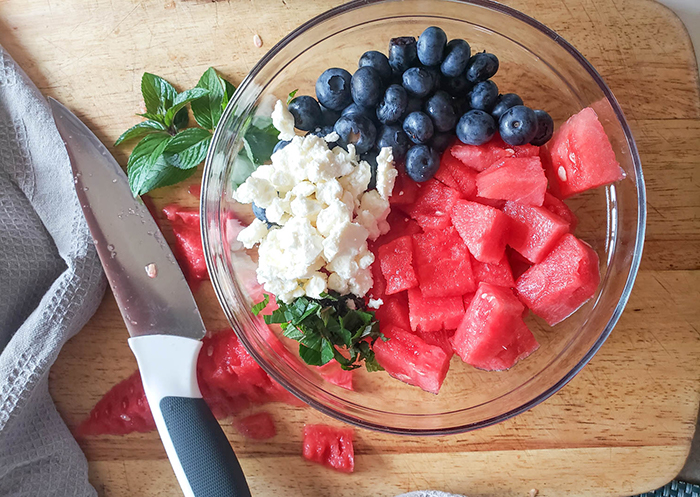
<point>322,212</point>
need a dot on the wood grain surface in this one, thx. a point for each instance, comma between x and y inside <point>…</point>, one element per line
<point>622,426</point>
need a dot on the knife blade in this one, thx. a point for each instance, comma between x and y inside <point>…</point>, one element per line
<point>159,311</point>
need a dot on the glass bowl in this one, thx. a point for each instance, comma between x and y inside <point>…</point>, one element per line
<point>548,73</point>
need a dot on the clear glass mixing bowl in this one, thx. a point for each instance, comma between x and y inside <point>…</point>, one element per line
<point>549,74</point>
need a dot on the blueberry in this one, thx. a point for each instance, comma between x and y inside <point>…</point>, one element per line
<point>545,128</point>
<point>402,53</point>
<point>377,61</point>
<point>481,66</point>
<point>457,55</point>
<point>505,102</point>
<point>518,125</point>
<point>333,88</point>
<point>440,141</point>
<point>358,109</point>
<point>460,104</point>
<point>371,158</point>
<point>436,74</point>
<point>356,129</point>
<point>392,135</point>
<point>457,86</point>
<point>280,145</point>
<point>367,88</point>
<point>418,82</point>
<point>415,104</point>
<point>328,116</point>
<point>419,127</point>
<point>476,127</point>
<point>431,45</point>
<point>439,108</point>
<point>394,104</point>
<point>422,163</point>
<point>484,96</point>
<point>306,112</point>
<point>259,213</point>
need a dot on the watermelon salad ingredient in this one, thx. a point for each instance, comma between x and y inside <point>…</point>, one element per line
<point>330,446</point>
<point>446,252</point>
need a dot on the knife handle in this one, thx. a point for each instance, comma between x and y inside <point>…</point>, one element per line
<point>199,452</point>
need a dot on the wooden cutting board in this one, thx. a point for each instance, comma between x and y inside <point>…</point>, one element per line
<point>621,427</point>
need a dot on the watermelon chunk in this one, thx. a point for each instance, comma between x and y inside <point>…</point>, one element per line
<point>444,172</point>
<point>580,156</point>
<point>188,243</point>
<point>484,229</point>
<point>399,225</point>
<point>480,157</point>
<point>560,284</point>
<point>442,263</point>
<point>405,191</point>
<point>440,338</point>
<point>394,312</point>
<point>258,426</point>
<point>378,290</point>
<point>433,314</point>
<point>410,359</point>
<point>558,207</point>
<point>534,230</point>
<point>520,179</point>
<point>462,178</point>
<point>491,335</point>
<point>396,262</point>
<point>330,446</point>
<point>518,263</point>
<point>431,209</point>
<point>333,373</point>
<point>498,274</point>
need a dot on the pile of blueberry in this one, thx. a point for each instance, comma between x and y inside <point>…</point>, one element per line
<point>416,100</point>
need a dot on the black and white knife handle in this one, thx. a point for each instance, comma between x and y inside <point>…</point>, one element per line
<point>199,452</point>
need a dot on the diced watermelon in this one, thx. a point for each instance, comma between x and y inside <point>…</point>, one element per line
<point>405,191</point>
<point>333,373</point>
<point>410,359</point>
<point>433,314</point>
<point>188,243</point>
<point>558,207</point>
<point>444,172</point>
<point>491,336</point>
<point>258,426</point>
<point>581,156</point>
<point>330,446</point>
<point>442,263</point>
<point>396,261</point>
<point>498,274</point>
<point>484,229</point>
<point>526,150</point>
<point>462,176</point>
<point>431,209</point>
<point>520,179</point>
<point>394,312</point>
<point>399,225</point>
<point>440,338</point>
<point>562,282</point>
<point>123,409</point>
<point>467,299</point>
<point>533,230</point>
<point>518,263</point>
<point>480,157</point>
<point>378,290</point>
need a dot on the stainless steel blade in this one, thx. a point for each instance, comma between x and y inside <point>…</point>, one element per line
<point>147,282</point>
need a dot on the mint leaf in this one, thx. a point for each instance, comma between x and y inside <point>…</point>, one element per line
<point>152,117</point>
<point>291,96</point>
<point>182,119</point>
<point>326,352</point>
<point>158,94</point>
<point>188,148</point>
<point>181,100</point>
<point>207,111</point>
<point>140,130</point>
<point>310,356</point>
<point>258,308</point>
<point>293,333</point>
<point>147,168</point>
<point>259,141</point>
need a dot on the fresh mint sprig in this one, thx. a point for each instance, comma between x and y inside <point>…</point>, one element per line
<point>330,328</point>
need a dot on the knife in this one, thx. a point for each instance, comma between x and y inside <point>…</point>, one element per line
<point>159,311</point>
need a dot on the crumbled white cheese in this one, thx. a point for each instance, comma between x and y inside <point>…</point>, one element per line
<point>375,304</point>
<point>318,198</point>
<point>283,120</point>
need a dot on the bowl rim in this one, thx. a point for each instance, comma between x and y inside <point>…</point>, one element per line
<point>626,291</point>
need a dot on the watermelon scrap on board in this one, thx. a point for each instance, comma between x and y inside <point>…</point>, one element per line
<point>580,156</point>
<point>330,446</point>
<point>257,426</point>
<point>483,228</point>
<point>396,262</point>
<point>442,263</point>
<point>560,284</point>
<point>493,335</point>
<point>431,210</point>
<point>533,230</point>
<point>434,314</point>
<point>520,179</point>
<point>407,357</point>
<point>188,243</point>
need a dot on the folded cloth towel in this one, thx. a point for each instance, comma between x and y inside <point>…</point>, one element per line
<point>51,282</point>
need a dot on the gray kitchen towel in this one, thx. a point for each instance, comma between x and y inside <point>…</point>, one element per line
<point>51,282</point>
